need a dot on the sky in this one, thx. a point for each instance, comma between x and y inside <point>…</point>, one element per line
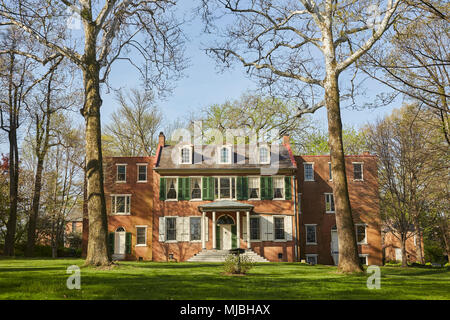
<point>204,85</point>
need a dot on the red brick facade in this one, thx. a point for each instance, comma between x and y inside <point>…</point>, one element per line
<point>146,210</point>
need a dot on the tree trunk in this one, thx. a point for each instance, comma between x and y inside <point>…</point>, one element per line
<point>31,239</point>
<point>419,250</point>
<point>97,251</point>
<point>13,186</point>
<point>404,253</point>
<point>348,250</point>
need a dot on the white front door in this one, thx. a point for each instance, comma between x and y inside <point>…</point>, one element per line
<point>119,245</point>
<point>398,254</point>
<point>226,236</point>
<point>334,246</point>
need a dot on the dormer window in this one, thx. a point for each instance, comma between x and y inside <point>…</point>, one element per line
<point>225,155</point>
<point>186,155</point>
<point>264,155</point>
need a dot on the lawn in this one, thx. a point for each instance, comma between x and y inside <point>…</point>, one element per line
<point>46,279</point>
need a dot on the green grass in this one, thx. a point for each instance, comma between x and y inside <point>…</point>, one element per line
<point>46,279</point>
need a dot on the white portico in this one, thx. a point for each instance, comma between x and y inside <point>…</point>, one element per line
<point>227,218</point>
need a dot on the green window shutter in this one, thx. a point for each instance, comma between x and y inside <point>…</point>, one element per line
<point>180,189</point>
<point>217,237</point>
<point>111,242</point>
<point>208,188</point>
<point>262,187</point>
<point>162,189</point>
<point>128,243</point>
<point>242,188</point>
<point>233,237</point>
<point>266,188</point>
<point>269,188</point>
<point>187,189</point>
<point>287,188</point>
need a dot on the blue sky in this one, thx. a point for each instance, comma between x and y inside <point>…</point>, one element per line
<point>203,85</point>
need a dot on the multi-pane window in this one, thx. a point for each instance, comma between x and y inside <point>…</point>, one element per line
<point>278,187</point>
<point>255,230</point>
<point>357,171</point>
<point>121,172</point>
<point>311,234</point>
<point>196,188</point>
<point>142,173</point>
<point>329,203</point>
<point>141,235</point>
<point>329,170</point>
<point>186,155</point>
<point>171,188</point>
<point>225,155</point>
<point>225,188</point>
<point>363,259</point>
<point>171,228</point>
<point>253,187</point>
<point>279,228</point>
<point>120,204</point>
<point>264,155</point>
<point>309,171</point>
<point>311,258</point>
<point>361,233</point>
<point>195,228</point>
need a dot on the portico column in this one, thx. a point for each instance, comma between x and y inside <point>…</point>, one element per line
<point>214,230</point>
<point>203,231</point>
<point>248,230</point>
<point>238,229</point>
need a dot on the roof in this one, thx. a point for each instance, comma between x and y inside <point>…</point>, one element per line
<point>206,159</point>
<point>225,205</point>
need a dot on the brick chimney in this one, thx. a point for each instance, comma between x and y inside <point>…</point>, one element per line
<point>162,139</point>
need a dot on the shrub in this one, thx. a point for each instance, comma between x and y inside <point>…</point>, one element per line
<point>393,264</point>
<point>237,264</point>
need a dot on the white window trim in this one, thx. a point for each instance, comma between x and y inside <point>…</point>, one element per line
<point>193,241</point>
<point>219,149</point>
<point>201,188</point>
<point>165,231</point>
<point>284,228</point>
<point>176,188</point>
<point>283,189</point>
<point>146,172</point>
<point>326,211</point>
<point>146,228</point>
<point>231,188</point>
<point>365,255</point>
<point>268,154</point>
<point>311,255</point>
<point>306,233</point>
<point>365,232</point>
<point>329,172</point>
<point>121,213</point>
<point>259,218</point>
<point>362,171</point>
<point>181,154</point>
<point>259,188</point>
<point>304,171</point>
<point>117,172</point>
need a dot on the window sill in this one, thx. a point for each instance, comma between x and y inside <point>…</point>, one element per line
<point>121,182</point>
<point>171,200</point>
<point>120,214</point>
<point>140,245</point>
<point>279,240</point>
<point>311,243</point>
<point>330,212</point>
<point>142,181</point>
<point>170,241</point>
<point>196,200</point>
<point>255,199</point>
<point>309,180</point>
<point>277,199</point>
<point>361,243</point>
<point>358,180</point>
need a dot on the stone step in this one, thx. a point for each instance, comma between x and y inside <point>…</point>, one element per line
<point>221,255</point>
